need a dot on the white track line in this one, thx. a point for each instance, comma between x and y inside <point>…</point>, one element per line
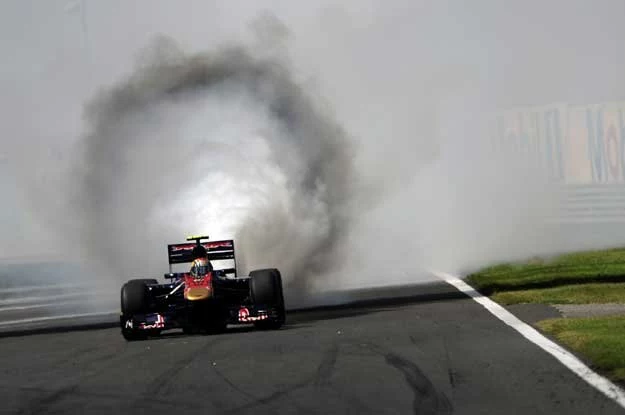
<point>41,305</point>
<point>40,287</point>
<point>40,299</point>
<point>600,383</point>
<point>43,298</point>
<point>4,324</point>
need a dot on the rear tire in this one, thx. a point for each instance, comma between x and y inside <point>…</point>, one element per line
<point>266,289</point>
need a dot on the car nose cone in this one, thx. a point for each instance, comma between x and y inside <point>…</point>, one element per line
<point>197,293</point>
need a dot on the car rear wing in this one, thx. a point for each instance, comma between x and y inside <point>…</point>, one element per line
<point>215,250</point>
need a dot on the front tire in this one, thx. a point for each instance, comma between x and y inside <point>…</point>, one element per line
<point>134,300</point>
<point>135,297</point>
<point>266,290</point>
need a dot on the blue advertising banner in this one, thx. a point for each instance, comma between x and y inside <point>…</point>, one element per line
<point>574,144</point>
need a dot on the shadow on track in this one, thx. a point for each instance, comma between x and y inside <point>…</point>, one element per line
<point>59,328</point>
<point>369,300</point>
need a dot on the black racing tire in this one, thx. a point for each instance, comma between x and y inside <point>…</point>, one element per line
<point>135,300</point>
<point>134,297</point>
<point>266,289</point>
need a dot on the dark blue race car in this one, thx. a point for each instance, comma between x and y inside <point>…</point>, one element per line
<point>203,299</point>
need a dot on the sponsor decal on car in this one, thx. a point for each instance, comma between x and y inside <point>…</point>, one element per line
<point>244,315</point>
<point>158,324</point>
<point>207,245</point>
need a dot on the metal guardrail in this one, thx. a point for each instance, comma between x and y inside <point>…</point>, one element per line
<point>44,305</point>
<point>600,204</point>
<point>27,294</point>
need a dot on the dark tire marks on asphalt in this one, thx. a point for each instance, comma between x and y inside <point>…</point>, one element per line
<point>427,400</point>
<point>46,398</point>
<point>319,380</point>
<point>41,405</point>
<point>158,386</point>
<point>271,398</point>
<point>324,371</point>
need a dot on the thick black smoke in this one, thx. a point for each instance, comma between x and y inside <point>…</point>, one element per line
<point>138,160</point>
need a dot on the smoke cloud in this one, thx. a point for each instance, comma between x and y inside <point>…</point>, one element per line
<point>348,145</point>
<point>224,143</point>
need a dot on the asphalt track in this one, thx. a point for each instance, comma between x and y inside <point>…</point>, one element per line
<point>437,353</point>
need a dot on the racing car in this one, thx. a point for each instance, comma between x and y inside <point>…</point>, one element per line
<point>204,298</point>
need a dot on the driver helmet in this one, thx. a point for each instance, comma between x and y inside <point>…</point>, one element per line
<point>200,267</point>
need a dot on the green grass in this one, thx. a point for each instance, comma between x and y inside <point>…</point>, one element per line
<point>576,268</point>
<point>600,340</point>
<point>578,278</point>
<point>568,294</point>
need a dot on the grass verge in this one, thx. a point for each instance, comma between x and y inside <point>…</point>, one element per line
<point>607,266</point>
<point>601,340</point>
<point>568,294</point>
<point>596,277</point>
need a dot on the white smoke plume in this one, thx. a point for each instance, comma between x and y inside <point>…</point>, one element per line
<point>224,143</point>
<point>347,144</point>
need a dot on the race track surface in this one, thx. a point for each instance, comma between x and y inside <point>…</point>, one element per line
<point>431,355</point>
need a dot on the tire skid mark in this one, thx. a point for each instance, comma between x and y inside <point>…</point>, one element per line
<point>75,390</point>
<point>427,399</point>
<point>326,367</point>
<point>452,377</point>
<point>320,379</point>
<point>233,385</point>
<point>39,406</point>
<point>52,397</point>
<point>158,385</point>
<point>256,401</point>
<point>414,341</point>
<point>272,397</point>
<point>90,354</point>
<point>450,371</point>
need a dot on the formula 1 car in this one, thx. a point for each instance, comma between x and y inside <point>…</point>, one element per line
<point>203,299</point>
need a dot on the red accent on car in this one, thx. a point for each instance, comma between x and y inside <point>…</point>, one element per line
<point>193,284</point>
<point>207,245</point>
<point>244,314</point>
<point>158,324</point>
